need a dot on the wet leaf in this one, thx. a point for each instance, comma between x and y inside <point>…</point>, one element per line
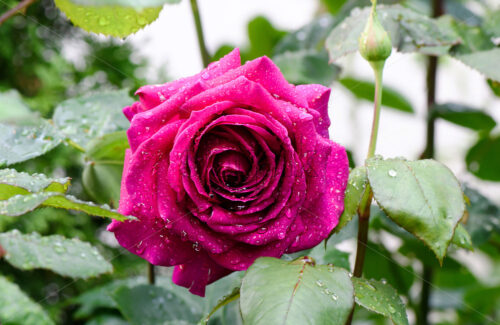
<point>462,238</point>
<point>423,197</point>
<point>147,304</point>
<point>409,30</point>
<point>381,298</point>
<point>85,118</point>
<point>356,186</point>
<point>118,18</point>
<point>13,182</point>
<point>17,308</point>
<point>12,106</point>
<point>279,292</point>
<point>483,219</point>
<point>68,257</point>
<point>26,139</point>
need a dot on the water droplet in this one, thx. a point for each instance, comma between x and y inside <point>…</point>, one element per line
<point>320,283</point>
<point>392,173</point>
<point>391,309</point>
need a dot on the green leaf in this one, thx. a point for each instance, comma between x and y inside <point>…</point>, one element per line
<point>263,36</point>
<point>423,197</point>
<point>21,204</point>
<point>409,31</point>
<point>483,219</point>
<point>366,90</point>
<point>476,48</point>
<point>12,107</point>
<point>330,255</point>
<point>118,18</point>
<point>309,37</point>
<point>306,67</point>
<point>147,304</point>
<point>103,170</point>
<point>21,193</point>
<point>462,238</point>
<point>13,182</point>
<point>401,277</point>
<point>381,298</point>
<point>465,116</point>
<point>494,86</point>
<point>333,6</point>
<point>280,292</point>
<point>68,257</point>
<point>234,295</point>
<point>85,118</point>
<point>356,186</point>
<point>483,159</point>
<point>26,139</point>
<point>17,308</point>
<point>484,62</point>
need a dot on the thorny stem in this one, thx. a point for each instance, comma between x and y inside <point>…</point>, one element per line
<point>429,152</point>
<point>205,57</point>
<point>20,8</point>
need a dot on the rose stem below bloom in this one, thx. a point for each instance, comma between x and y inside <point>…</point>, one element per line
<point>151,274</point>
<point>205,57</point>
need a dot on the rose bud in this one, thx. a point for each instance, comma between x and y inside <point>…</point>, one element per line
<point>226,166</point>
<point>374,42</point>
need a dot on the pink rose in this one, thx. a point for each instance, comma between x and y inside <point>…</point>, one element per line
<point>226,166</point>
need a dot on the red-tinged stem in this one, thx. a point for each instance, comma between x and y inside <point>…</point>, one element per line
<point>19,9</point>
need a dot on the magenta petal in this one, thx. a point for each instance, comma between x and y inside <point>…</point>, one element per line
<point>152,242</point>
<point>317,97</point>
<point>152,96</point>
<point>198,273</point>
<point>125,206</point>
<point>140,177</point>
<point>322,214</point>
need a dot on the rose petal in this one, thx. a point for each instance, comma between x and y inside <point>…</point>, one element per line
<point>151,241</point>
<point>198,273</point>
<point>317,97</point>
<point>321,215</point>
<point>152,96</point>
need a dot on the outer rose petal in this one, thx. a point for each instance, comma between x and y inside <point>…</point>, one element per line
<point>317,97</point>
<point>152,96</point>
<point>198,273</point>
<point>321,215</point>
<point>152,241</point>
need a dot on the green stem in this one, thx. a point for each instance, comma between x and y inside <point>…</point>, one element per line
<point>205,57</point>
<point>151,274</point>
<point>366,200</point>
<point>378,68</point>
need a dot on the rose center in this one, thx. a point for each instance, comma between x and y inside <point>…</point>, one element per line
<point>232,168</point>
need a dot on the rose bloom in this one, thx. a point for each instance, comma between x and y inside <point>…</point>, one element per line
<point>226,166</point>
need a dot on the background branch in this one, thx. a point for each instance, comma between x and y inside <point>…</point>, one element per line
<point>19,9</point>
